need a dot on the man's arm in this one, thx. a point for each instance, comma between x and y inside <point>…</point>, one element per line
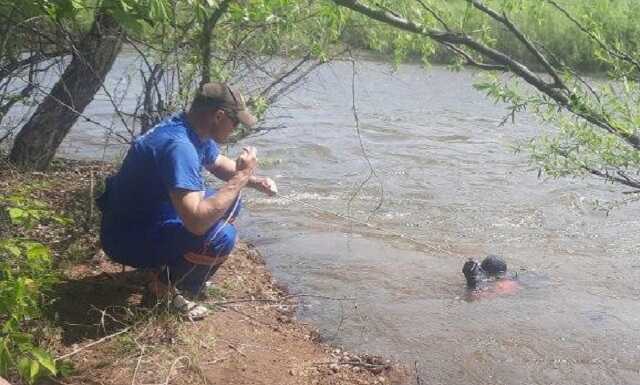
<point>225,168</point>
<point>198,213</point>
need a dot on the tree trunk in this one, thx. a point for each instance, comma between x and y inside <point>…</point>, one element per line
<point>37,142</point>
<point>205,39</point>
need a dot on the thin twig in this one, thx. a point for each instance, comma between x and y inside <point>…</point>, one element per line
<point>434,14</point>
<point>135,371</point>
<point>94,343</point>
<point>503,19</point>
<point>472,62</point>
<point>372,171</point>
<point>418,379</point>
<point>110,130</point>
<point>173,365</point>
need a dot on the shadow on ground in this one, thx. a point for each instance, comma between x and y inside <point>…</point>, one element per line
<point>97,305</point>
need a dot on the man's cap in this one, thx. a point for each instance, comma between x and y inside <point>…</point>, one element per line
<point>222,96</point>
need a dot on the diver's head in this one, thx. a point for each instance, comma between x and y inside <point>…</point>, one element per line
<point>472,272</point>
<point>494,265</point>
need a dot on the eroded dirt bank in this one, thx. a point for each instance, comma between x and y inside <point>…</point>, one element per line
<point>99,321</point>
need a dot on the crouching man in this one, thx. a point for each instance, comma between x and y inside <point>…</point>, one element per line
<point>157,212</point>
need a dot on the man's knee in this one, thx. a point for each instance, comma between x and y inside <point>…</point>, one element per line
<point>217,246</point>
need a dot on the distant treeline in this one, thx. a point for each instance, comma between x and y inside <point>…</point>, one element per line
<point>613,21</point>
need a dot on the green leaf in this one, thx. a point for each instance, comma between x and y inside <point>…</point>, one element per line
<point>11,247</point>
<point>37,252</point>
<point>34,371</point>
<point>5,357</point>
<point>24,367</point>
<point>17,215</point>
<point>22,338</point>
<point>45,359</point>
<point>159,10</point>
<point>66,368</point>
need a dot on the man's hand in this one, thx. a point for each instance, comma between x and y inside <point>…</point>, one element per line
<point>247,161</point>
<point>264,184</point>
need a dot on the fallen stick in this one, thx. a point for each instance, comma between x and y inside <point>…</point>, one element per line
<point>101,340</point>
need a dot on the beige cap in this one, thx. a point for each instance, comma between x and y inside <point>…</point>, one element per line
<point>222,96</point>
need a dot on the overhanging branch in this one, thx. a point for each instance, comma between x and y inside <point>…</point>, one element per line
<point>503,19</point>
<point>569,101</point>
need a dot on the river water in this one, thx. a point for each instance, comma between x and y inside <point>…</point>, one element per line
<point>453,184</point>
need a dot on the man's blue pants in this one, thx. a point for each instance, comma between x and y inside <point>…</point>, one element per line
<point>165,242</point>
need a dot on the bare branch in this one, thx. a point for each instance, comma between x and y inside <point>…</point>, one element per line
<point>523,38</point>
<point>286,88</point>
<point>622,178</point>
<point>86,118</point>
<point>471,62</point>
<point>32,60</point>
<point>434,14</point>
<point>280,79</point>
<point>573,73</point>
<point>365,155</point>
<point>24,93</point>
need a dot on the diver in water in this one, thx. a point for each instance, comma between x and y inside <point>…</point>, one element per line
<point>476,273</point>
<point>488,278</point>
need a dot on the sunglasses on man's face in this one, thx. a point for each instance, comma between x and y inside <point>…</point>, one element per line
<point>233,117</point>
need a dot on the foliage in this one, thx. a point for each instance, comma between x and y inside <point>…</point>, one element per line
<point>26,211</point>
<point>26,279</point>
<point>238,42</point>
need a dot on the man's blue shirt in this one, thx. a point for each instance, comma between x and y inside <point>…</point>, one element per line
<point>168,157</point>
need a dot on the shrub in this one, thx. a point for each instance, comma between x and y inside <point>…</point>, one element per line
<point>26,279</point>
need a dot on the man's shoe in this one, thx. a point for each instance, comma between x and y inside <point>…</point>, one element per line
<point>190,309</point>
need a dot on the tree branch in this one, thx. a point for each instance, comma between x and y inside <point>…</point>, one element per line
<point>281,78</point>
<point>32,60</point>
<point>570,102</point>
<point>503,19</point>
<point>205,40</point>
<point>622,179</point>
<point>434,14</point>
<point>471,62</point>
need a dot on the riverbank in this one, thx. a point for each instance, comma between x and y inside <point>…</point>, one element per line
<point>95,323</point>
